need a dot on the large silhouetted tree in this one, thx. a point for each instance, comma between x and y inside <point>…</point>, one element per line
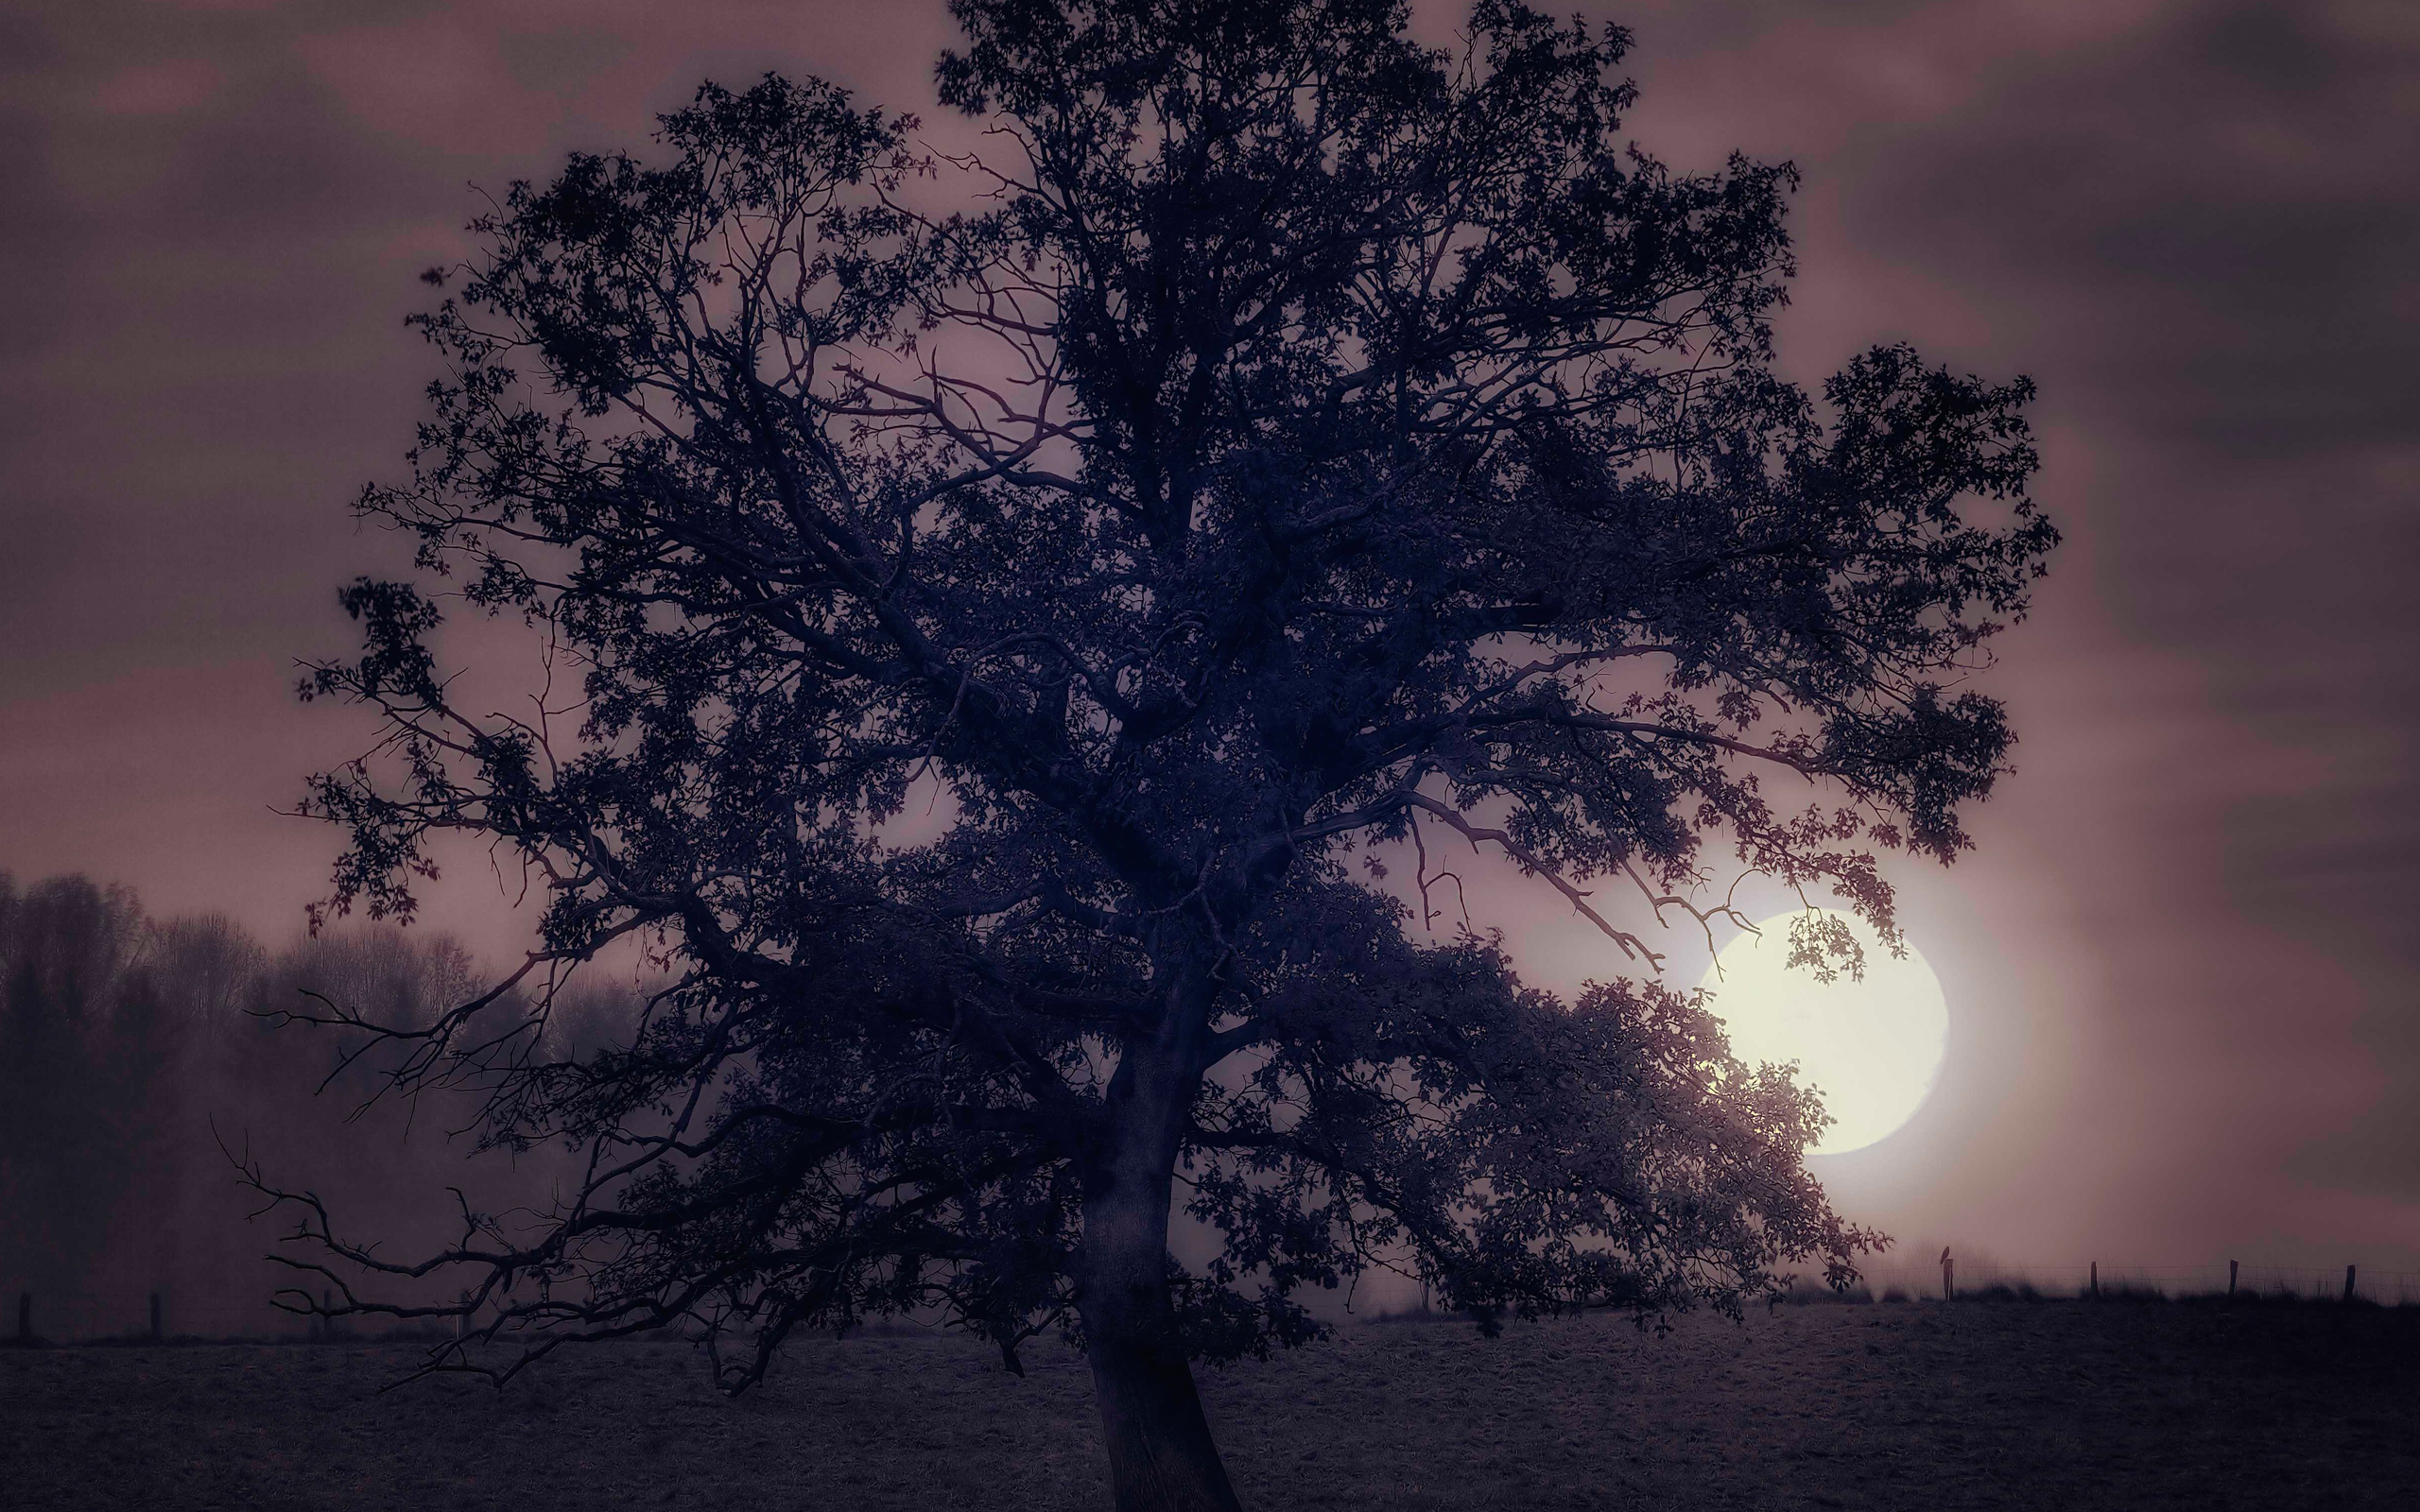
<point>995,651</point>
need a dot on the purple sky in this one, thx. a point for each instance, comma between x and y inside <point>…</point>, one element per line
<point>2183,966</point>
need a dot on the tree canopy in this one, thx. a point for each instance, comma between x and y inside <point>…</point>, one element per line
<point>1022,603</point>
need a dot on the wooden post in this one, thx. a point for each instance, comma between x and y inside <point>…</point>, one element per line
<point>155,1317</point>
<point>1948,1277</point>
<point>462,1319</point>
<point>2230,1277</point>
<point>24,1318</point>
<point>2096,1281</point>
<point>2348,1283</point>
<point>327,1324</point>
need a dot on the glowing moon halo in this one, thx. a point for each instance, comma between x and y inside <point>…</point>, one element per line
<point>1872,1047</point>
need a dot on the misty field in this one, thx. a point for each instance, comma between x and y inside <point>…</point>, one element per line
<point>2053,1404</point>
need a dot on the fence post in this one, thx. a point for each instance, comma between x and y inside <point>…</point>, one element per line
<point>1948,1277</point>
<point>327,1320</point>
<point>2348,1283</point>
<point>155,1317</point>
<point>24,1318</point>
<point>462,1319</point>
<point>2230,1277</point>
<point>2096,1281</point>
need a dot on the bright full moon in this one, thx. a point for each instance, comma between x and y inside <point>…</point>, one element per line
<point>1872,1047</point>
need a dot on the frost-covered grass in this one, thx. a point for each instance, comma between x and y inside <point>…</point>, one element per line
<point>2061,1404</point>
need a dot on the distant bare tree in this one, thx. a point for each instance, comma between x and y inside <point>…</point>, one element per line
<point>67,945</point>
<point>129,1048</point>
<point>992,656</point>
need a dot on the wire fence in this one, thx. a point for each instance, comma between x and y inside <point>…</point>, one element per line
<point>1954,1276</point>
<point>68,1315</point>
<point>170,1314</point>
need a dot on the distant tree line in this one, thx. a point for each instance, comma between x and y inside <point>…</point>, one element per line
<point>136,1054</point>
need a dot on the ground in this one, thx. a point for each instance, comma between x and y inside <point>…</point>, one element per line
<point>1917,1406</point>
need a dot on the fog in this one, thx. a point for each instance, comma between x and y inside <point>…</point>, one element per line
<point>147,1066</point>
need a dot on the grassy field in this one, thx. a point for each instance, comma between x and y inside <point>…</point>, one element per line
<point>2043,1405</point>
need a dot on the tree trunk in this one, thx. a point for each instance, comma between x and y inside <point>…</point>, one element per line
<point>1161,1456</point>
